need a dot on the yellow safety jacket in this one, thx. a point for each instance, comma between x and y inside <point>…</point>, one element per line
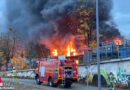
<point>112,78</point>
<point>14,72</point>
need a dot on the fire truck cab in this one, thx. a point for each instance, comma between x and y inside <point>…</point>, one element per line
<point>56,72</point>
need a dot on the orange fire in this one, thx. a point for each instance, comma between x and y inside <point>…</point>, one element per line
<point>54,52</point>
<point>71,47</point>
<point>118,41</point>
<point>70,50</point>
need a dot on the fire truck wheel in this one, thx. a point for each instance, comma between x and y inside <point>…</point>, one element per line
<point>37,80</point>
<point>50,82</point>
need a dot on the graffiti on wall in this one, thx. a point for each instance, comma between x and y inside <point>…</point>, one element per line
<point>120,70</point>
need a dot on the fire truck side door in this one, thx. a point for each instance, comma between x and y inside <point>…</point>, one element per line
<point>42,71</point>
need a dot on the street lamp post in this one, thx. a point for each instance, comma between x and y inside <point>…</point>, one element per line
<point>98,52</point>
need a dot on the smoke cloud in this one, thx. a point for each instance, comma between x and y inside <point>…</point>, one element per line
<point>47,20</point>
<point>30,16</point>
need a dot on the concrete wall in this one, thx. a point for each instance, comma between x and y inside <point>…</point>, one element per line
<point>119,67</point>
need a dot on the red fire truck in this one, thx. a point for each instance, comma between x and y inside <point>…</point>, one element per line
<point>56,72</point>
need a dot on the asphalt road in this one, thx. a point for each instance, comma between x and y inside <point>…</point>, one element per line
<point>31,84</point>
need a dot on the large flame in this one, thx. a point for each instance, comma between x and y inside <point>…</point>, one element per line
<point>118,41</point>
<point>68,50</point>
<point>54,52</point>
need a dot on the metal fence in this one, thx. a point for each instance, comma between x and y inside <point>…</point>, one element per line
<point>109,50</point>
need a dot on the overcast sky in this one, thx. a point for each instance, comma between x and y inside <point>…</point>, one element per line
<point>120,13</point>
<point>2,15</point>
<point>121,16</point>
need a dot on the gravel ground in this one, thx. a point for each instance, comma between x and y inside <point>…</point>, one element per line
<point>25,84</point>
<point>19,86</point>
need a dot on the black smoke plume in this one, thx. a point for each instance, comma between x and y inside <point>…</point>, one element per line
<point>46,21</point>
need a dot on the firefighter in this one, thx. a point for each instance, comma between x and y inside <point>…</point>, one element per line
<point>14,72</point>
<point>112,81</point>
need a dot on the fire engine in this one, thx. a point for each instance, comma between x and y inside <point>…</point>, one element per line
<point>56,72</point>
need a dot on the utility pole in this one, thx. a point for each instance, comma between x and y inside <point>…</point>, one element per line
<point>98,52</point>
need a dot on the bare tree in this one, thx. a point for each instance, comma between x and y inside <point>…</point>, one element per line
<point>10,43</point>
